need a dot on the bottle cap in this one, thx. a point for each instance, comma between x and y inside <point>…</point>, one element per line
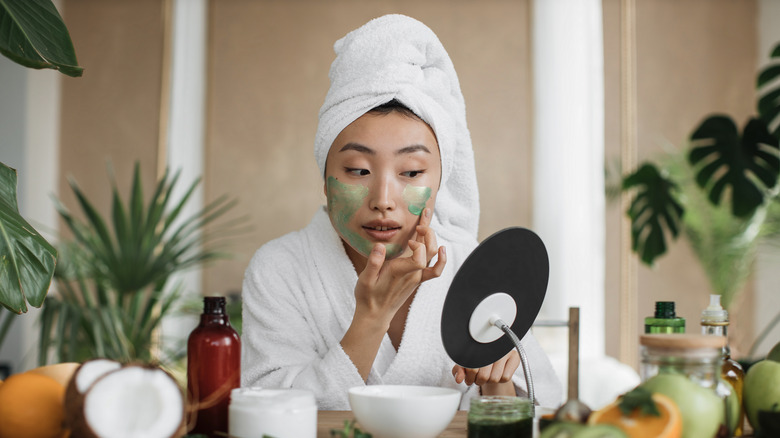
<point>274,400</point>
<point>214,305</point>
<point>665,309</point>
<point>715,314</point>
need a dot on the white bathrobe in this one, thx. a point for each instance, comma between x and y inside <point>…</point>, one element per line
<point>299,301</point>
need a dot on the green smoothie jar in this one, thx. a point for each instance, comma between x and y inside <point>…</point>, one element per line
<point>500,416</point>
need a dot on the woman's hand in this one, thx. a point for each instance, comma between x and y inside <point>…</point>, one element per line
<point>384,286</point>
<point>494,379</point>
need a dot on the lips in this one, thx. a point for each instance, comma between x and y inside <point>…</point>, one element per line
<point>382,230</point>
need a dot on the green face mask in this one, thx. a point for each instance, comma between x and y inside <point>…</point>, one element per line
<point>415,198</point>
<point>343,201</point>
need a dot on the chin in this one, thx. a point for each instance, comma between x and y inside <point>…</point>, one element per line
<point>394,250</point>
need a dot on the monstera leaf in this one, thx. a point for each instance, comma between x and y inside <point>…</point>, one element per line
<point>769,103</point>
<point>654,208</point>
<point>748,164</point>
<point>26,259</point>
<point>33,34</point>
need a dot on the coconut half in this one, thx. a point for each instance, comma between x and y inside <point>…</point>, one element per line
<point>84,376</point>
<point>134,401</point>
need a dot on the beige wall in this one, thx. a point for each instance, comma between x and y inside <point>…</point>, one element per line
<point>694,58</point>
<point>112,112</point>
<point>269,62</point>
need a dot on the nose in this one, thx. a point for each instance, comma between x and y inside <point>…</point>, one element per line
<point>382,195</point>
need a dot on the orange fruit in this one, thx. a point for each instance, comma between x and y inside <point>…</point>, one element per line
<point>640,425</point>
<point>31,405</point>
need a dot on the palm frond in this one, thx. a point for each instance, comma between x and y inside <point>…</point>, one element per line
<point>113,280</point>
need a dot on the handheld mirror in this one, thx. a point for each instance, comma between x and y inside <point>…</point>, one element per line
<point>495,298</point>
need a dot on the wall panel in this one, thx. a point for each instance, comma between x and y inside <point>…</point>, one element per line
<point>111,114</point>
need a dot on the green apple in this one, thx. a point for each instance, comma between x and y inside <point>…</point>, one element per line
<point>600,431</point>
<point>774,353</point>
<point>762,390</point>
<point>561,429</point>
<point>701,409</point>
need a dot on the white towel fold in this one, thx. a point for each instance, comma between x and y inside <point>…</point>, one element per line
<point>398,57</point>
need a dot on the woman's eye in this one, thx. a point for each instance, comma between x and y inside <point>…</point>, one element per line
<point>412,173</point>
<point>358,172</point>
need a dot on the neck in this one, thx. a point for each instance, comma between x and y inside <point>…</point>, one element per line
<point>358,260</point>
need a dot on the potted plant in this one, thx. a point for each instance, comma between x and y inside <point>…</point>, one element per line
<point>114,277</point>
<point>27,260</point>
<point>722,194</point>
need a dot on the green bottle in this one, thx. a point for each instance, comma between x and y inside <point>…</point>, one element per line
<point>664,320</point>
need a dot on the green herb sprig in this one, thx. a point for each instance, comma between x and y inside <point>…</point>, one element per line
<point>638,398</point>
<point>349,431</point>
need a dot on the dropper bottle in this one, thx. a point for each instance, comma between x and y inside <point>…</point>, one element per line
<point>715,321</point>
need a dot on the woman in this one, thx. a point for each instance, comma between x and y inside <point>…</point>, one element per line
<point>355,298</point>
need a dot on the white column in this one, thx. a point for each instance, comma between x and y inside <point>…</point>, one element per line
<point>568,167</point>
<point>29,142</point>
<point>186,129</point>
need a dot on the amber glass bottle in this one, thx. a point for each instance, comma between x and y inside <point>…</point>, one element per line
<point>213,369</point>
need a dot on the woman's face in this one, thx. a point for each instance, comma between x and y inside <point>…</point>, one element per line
<point>382,171</point>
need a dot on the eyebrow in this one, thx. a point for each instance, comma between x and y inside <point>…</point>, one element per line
<point>367,150</point>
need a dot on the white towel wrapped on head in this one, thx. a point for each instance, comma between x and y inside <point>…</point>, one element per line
<point>398,57</point>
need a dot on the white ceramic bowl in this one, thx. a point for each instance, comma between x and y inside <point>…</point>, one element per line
<point>400,411</point>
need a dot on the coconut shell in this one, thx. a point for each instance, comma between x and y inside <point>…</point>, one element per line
<point>74,402</point>
<point>82,427</point>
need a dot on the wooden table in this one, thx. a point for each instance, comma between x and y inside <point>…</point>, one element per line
<point>328,420</point>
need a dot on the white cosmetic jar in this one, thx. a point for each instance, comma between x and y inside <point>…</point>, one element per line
<point>281,413</point>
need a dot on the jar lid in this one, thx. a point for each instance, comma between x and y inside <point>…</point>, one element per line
<point>682,341</point>
<point>273,399</point>
<point>501,405</point>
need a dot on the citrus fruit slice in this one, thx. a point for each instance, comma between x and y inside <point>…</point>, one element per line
<point>638,423</point>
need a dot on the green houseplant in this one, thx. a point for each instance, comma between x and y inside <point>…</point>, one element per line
<point>32,34</point>
<point>27,260</point>
<point>114,279</point>
<point>685,193</point>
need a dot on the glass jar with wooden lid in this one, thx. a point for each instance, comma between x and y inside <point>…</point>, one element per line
<point>695,356</point>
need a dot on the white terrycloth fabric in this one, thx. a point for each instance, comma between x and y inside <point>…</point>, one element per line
<point>299,301</point>
<point>397,57</point>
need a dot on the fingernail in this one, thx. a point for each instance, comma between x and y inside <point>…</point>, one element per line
<point>427,213</point>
